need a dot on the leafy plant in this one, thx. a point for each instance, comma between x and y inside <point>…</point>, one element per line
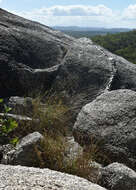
<point>1,100</point>
<point>7,125</point>
<point>14,141</point>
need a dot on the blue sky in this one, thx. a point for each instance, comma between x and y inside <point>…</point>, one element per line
<point>91,13</point>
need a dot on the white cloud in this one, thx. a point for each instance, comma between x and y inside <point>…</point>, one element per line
<point>130,12</point>
<point>81,15</point>
<point>76,10</point>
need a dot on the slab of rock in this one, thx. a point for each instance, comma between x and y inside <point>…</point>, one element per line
<point>16,117</point>
<point>118,177</point>
<point>110,121</point>
<point>18,178</point>
<point>24,153</point>
<point>35,57</point>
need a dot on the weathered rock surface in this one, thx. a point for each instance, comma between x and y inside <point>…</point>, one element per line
<point>24,153</point>
<point>33,56</point>
<point>17,177</point>
<point>118,177</point>
<point>111,121</point>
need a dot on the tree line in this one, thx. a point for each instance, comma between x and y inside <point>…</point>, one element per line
<point>123,44</point>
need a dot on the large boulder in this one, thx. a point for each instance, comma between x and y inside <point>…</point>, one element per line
<point>30,54</point>
<point>17,177</point>
<point>24,153</point>
<point>118,177</point>
<point>35,57</point>
<point>110,121</point>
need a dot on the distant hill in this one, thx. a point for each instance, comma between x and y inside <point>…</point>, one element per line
<point>123,44</point>
<point>79,32</point>
<point>77,28</point>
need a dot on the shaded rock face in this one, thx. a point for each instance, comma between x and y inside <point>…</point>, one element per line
<point>111,121</point>
<point>28,52</point>
<point>18,177</point>
<point>24,153</point>
<point>118,177</point>
<point>35,57</point>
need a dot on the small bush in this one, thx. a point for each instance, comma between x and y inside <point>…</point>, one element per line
<point>7,126</point>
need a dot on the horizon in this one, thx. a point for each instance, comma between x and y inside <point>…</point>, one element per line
<point>92,27</point>
<point>91,14</point>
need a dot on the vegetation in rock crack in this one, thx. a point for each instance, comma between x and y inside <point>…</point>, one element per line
<point>7,126</point>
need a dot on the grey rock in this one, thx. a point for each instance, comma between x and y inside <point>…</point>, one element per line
<point>110,121</point>
<point>73,149</point>
<point>35,57</point>
<point>20,105</point>
<point>118,177</point>
<point>4,149</point>
<point>24,152</point>
<point>95,174</point>
<point>18,178</point>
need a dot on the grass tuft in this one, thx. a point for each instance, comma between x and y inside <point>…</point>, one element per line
<point>51,117</point>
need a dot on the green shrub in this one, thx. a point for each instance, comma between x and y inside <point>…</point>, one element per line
<point>7,125</point>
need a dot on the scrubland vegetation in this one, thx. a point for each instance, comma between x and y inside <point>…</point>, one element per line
<point>123,44</point>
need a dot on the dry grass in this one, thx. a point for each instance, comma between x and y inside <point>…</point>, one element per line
<point>52,155</point>
<point>51,118</point>
<point>53,115</point>
<point>49,115</point>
